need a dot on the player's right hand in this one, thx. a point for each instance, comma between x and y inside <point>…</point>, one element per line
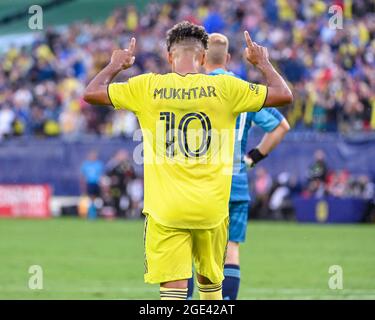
<point>255,54</point>
<point>124,59</point>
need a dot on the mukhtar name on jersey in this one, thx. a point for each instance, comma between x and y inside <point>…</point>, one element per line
<point>182,93</point>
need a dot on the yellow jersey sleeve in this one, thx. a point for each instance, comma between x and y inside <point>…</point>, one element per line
<point>245,96</point>
<point>129,95</point>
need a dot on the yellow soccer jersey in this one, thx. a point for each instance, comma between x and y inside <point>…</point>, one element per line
<point>188,126</point>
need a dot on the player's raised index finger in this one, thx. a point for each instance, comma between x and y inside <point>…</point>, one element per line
<point>132,45</point>
<point>249,42</point>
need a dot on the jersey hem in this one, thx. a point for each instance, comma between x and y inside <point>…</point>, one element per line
<point>161,222</point>
<point>237,201</point>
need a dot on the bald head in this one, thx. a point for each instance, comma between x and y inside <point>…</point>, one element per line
<point>217,53</point>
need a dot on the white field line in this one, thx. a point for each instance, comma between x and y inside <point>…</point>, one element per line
<point>297,292</point>
<point>307,290</point>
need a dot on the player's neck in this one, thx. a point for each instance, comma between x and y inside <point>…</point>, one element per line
<point>209,68</point>
<point>185,66</point>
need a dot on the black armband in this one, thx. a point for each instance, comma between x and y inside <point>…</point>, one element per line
<point>255,155</point>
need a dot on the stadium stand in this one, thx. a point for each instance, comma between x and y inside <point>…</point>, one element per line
<point>331,70</point>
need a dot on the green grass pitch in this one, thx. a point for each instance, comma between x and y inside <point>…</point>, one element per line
<point>104,260</point>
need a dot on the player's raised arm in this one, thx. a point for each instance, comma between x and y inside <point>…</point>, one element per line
<point>97,90</point>
<point>278,91</point>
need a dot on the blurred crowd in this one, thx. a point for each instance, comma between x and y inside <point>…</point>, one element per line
<point>331,69</point>
<point>273,196</point>
<point>341,184</point>
<point>111,190</point>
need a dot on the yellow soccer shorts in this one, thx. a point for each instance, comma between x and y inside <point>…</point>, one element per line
<point>170,252</point>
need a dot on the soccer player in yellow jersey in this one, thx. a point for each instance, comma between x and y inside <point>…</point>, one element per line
<point>188,124</point>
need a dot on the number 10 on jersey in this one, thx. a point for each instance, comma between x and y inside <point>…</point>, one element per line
<point>182,134</point>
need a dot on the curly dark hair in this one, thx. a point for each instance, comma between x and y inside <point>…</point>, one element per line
<point>186,30</point>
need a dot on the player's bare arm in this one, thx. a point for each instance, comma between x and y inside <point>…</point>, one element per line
<point>278,91</point>
<point>96,92</point>
<point>272,139</point>
<point>269,142</point>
